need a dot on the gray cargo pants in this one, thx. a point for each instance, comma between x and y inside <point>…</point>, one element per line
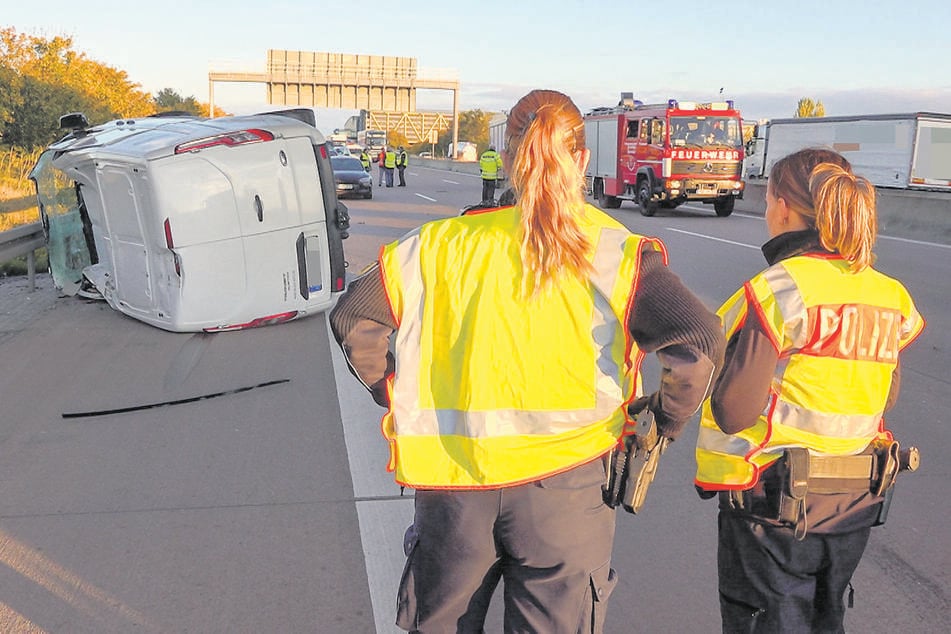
<point>549,541</point>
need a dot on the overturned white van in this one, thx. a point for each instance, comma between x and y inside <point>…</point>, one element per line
<point>194,224</point>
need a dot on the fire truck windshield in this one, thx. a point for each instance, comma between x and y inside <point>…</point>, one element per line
<point>706,131</point>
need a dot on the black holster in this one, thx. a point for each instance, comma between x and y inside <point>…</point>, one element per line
<point>781,498</point>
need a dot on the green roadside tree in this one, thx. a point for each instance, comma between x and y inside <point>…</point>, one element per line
<point>473,127</point>
<point>49,79</point>
<point>168,100</point>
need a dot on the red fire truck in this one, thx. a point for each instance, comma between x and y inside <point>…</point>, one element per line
<point>663,155</point>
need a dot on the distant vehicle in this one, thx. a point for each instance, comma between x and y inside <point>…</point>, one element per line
<point>426,154</point>
<point>904,151</point>
<point>663,155</point>
<point>351,178</point>
<point>467,151</point>
<point>373,139</point>
<point>193,224</point>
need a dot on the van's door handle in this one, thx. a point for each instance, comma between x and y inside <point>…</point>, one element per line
<point>259,207</point>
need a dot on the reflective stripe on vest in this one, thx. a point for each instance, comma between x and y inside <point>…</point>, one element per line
<point>838,335</point>
<point>477,400</point>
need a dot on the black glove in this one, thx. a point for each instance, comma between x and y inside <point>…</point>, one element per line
<point>665,426</point>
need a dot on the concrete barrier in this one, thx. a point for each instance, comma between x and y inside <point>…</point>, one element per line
<point>902,213</point>
<point>911,214</point>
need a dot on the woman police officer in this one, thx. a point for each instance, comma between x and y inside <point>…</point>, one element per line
<point>811,366</point>
<point>519,336</point>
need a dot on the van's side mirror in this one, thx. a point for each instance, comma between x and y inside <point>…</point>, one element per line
<point>73,121</point>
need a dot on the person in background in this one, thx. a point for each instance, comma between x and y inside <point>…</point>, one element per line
<point>812,363</point>
<point>520,334</point>
<point>365,159</point>
<point>389,164</point>
<point>381,161</point>
<point>401,161</point>
<point>490,164</point>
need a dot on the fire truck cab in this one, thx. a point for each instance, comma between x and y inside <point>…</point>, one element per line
<point>663,155</point>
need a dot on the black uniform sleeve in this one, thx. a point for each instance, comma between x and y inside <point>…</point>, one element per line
<point>362,324</point>
<point>741,391</point>
<point>669,320</point>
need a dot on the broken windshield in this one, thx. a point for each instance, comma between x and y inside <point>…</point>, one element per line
<point>60,211</point>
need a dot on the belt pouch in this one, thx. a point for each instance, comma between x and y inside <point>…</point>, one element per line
<point>795,485</point>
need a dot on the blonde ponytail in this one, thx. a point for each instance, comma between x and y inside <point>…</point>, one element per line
<point>819,185</point>
<point>845,213</point>
<point>545,134</point>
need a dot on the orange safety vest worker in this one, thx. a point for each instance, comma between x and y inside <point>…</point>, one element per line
<point>450,408</point>
<point>831,327</point>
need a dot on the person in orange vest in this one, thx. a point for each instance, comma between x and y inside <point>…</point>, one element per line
<point>381,161</point>
<point>792,439</point>
<point>506,445</point>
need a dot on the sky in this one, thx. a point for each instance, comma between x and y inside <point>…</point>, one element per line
<point>855,56</point>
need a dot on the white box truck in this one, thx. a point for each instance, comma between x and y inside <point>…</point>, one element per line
<point>193,224</point>
<point>904,151</point>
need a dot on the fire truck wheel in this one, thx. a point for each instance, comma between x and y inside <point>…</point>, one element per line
<point>648,206</point>
<point>724,206</point>
<point>606,202</point>
<point>610,202</point>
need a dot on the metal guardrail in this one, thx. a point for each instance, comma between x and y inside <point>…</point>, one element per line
<point>23,240</point>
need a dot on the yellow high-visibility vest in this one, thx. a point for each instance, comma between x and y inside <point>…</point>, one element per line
<point>492,389</point>
<point>490,163</point>
<point>838,334</point>
<point>390,160</point>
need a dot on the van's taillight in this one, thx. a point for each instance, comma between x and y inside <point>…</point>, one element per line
<point>168,235</point>
<point>338,284</point>
<point>279,318</point>
<point>230,139</point>
<point>170,243</point>
<point>323,151</point>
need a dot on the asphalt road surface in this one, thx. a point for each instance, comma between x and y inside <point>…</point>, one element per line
<point>267,508</point>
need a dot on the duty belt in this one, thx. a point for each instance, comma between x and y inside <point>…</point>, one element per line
<point>801,472</point>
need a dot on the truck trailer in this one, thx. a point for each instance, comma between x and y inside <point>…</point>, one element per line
<point>901,151</point>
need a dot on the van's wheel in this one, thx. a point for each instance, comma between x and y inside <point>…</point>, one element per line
<point>724,206</point>
<point>648,206</point>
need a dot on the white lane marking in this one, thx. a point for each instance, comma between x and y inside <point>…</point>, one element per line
<point>883,237</point>
<point>700,235</point>
<point>382,524</point>
<point>921,242</point>
<point>383,520</point>
<point>445,180</point>
<point>432,200</point>
<point>748,216</point>
<point>749,246</point>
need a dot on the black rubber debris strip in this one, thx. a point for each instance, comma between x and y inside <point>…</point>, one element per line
<point>193,399</point>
